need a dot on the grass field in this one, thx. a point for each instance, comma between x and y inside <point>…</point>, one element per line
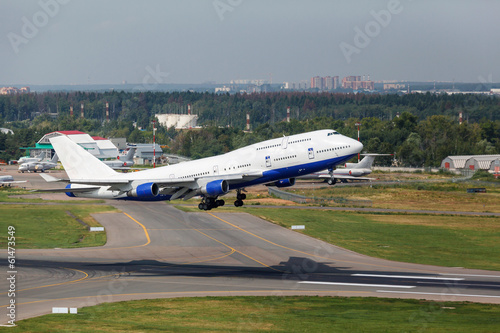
<point>49,226</point>
<point>443,240</point>
<point>421,196</point>
<point>272,314</point>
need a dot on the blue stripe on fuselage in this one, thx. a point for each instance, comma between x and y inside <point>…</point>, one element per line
<point>294,171</point>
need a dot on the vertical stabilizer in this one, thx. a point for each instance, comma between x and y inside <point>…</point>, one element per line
<point>130,154</point>
<point>77,162</point>
<point>366,162</point>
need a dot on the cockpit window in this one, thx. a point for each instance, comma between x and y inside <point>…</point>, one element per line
<point>333,133</point>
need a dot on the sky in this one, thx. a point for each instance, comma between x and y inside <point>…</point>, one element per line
<point>47,42</point>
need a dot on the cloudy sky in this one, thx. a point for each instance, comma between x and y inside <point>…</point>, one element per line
<point>194,41</point>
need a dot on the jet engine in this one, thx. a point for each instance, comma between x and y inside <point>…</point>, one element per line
<point>146,190</point>
<point>285,182</point>
<point>215,188</point>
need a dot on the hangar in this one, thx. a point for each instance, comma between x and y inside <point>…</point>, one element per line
<point>97,146</point>
<point>471,162</point>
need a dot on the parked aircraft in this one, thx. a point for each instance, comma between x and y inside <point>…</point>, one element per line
<point>351,171</point>
<point>7,180</point>
<point>123,163</point>
<point>277,161</point>
<point>28,159</point>
<point>39,166</point>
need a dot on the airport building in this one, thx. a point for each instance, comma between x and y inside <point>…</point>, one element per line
<point>97,146</point>
<point>472,163</point>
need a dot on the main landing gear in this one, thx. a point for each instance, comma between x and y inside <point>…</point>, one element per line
<point>208,203</point>
<point>239,198</point>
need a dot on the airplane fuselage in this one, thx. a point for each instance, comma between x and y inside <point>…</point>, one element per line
<point>260,163</point>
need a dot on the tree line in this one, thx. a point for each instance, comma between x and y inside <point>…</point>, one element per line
<point>421,129</point>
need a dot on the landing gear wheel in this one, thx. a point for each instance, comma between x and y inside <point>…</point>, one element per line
<point>241,196</point>
<point>331,181</point>
<point>220,203</point>
<point>238,203</point>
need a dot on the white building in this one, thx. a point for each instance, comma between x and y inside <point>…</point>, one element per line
<point>178,121</point>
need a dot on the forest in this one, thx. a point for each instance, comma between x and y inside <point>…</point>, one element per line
<point>421,129</point>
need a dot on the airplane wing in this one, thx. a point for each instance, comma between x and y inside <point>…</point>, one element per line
<point>12,182</point>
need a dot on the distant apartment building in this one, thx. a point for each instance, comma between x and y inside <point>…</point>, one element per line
<point>355,83</point>
<point>325,83</point>
<point>317,82</point>
<point>389,86</point>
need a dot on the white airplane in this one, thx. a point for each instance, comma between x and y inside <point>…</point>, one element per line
<point>7,180</point>
<point>28,159</point>
<point>39,166</point>
<point>123,163</point>
<point>277,161</point>
<point>351,171</point>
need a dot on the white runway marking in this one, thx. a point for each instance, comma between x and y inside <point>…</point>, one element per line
<point>409,277</point>
<point>356,284</point>
<point>437,294</point>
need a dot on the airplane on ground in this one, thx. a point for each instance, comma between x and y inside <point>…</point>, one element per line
<point>277,161</point>
<point>39,166</point>
<point>7,180</point>
<point>351,171</point>
<point>123,163</point>
<point>28,159</point>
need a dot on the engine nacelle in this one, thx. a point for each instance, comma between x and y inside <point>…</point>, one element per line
<point>146,190</point>
<point>69,194</point>
<point>357,172</point>
<point>285,182</point>
<point>215,188</point>
<point>343,172</point>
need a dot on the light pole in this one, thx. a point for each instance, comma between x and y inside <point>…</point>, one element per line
<point>358,124</point>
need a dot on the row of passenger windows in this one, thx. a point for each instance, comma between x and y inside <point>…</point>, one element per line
<point>301,140</point>
<point>278,145</point>
<point>239,166</point>
<point>332,149</point>
<point>197,175</point>
<point>267,147</point>
<point>285,158</point>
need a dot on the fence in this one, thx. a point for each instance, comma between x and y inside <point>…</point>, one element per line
<point>317,200</point>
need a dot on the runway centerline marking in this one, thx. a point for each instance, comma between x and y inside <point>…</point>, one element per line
<point>358,284</point>
<point>409,277</point>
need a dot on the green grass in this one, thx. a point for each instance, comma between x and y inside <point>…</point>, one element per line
<point>272,314</point>
<point>49,226</point>
<point>443,240</point>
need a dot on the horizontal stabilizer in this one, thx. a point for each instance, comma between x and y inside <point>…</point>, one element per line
<point>51,179</point>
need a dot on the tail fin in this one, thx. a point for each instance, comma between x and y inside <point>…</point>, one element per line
<point>130,154</point>
<point>54,158</point>
<point>41,156</point>
<point>79,163</point>
<point>366,162</point>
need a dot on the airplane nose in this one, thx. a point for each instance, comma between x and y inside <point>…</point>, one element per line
<point>358,146</point>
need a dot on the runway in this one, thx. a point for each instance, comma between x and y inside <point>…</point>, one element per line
<point>156,251</point>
